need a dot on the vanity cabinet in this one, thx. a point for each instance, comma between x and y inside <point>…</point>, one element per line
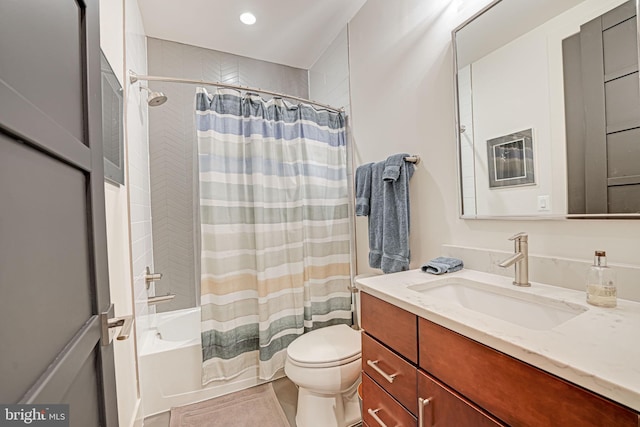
<point>464,383</point>
<point>515,392</point>
<point>392,382</point>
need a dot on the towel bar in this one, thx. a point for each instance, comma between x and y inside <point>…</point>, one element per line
<point>412,159</point>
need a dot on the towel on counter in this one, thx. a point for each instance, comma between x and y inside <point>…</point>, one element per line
<point>443,265</point>
<point>363,189</point>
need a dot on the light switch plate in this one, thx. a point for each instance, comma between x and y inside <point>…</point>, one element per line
<point>543,203</point>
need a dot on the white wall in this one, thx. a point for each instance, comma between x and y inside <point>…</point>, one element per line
<point>329,75</point>
<point>136,128</point>
<point>402,100</point>
<point>117,218</point>
<point>508,98</point>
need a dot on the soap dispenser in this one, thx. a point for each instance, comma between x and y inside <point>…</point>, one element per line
<point>601,282</point>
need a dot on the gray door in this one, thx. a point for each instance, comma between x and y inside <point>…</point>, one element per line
<point>53,261</point>
<point>602,101</point>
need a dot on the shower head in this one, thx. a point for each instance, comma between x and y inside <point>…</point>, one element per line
<point>155,98</point>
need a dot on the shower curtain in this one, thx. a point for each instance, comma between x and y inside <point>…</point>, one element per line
<point>275,233</point>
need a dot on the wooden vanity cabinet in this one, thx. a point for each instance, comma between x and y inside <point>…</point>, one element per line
<point>405,358</point>
<point>392,383</point>
<point>514,391</point>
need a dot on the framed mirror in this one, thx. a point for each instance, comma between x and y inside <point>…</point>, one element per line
<point>548,110</point>
<point>112,123</point>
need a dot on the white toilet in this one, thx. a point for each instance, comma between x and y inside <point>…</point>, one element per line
<point>325,365</point>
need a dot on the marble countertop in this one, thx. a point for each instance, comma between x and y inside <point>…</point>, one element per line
<point>598,349</point>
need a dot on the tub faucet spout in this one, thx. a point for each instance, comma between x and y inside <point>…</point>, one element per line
<point>520,259</point>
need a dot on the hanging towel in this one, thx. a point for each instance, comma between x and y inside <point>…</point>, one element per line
<point>443,265</point>
<point>395,233</point>
<point>392,167</point>
<point>363,189</point>
<point>376,215</point>
<point>385,187</point>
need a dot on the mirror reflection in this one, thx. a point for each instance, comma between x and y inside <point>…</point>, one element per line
<point>549,109</point>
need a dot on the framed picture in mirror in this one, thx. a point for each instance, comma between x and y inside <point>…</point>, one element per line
<point>511,160</point>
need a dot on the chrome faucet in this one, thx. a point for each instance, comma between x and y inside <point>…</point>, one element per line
<point>520,259</point>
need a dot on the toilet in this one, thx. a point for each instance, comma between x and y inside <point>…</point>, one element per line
<point>325,365</point>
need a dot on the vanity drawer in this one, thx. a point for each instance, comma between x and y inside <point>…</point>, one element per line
<point>390,412</point>
<point>513,391</point>
<point>391,325</point>
<point>405,380</point>
<point>448,408</point>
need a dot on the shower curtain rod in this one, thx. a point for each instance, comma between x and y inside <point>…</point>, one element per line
<point>133,77</point>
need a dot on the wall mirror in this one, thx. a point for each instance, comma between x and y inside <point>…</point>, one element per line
<point>112,123</point>
<point>548,110</point>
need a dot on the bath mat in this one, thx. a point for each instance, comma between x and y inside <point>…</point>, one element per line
<point>256,406</point>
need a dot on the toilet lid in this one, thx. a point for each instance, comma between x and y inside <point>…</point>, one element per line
<point>330,346</point>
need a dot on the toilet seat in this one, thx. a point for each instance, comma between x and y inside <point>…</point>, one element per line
<point>331,346</point>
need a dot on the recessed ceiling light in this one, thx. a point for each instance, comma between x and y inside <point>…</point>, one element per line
<point>248,18</point>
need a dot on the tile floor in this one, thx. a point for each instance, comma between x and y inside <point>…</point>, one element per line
<point>285,390</point>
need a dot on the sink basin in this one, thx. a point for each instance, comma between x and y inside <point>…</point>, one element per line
<point>517,307</point>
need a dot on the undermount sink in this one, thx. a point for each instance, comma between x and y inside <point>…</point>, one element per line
<point>514,306</point>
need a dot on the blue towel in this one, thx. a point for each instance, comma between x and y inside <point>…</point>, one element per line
<point>376,215</point>
<point>443,265</point>
<point>395,246</point>
<point>389,214</point>
<point>363,189</point>
<point>392,167</point>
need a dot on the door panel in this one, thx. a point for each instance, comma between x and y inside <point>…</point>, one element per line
<point>622,103</point>
<point>53,259</point>
<point>620,49</point>
<point>624,198</point>
<point>41,44</point>
<point>623,152</point>
<point>82,395</point>
<point>45,257</point>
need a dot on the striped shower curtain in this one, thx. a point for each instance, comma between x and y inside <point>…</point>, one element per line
<point>275,233</point>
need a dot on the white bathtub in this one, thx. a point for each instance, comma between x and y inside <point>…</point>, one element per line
<point>171,364</point>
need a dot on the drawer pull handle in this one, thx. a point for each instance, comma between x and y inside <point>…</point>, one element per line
<point>374,415</point>
<point>374,365</point>
<point>421,404</point>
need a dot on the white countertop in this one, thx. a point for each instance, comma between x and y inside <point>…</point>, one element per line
<point>598,349</point>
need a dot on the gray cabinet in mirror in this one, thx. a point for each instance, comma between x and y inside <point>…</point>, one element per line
<point>548,110</point>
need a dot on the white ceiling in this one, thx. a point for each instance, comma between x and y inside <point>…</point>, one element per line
<point>289,32</point>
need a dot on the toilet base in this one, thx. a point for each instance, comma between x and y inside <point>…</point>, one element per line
<point>337,410</point>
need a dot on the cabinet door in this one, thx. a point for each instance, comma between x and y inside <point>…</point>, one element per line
<point>514,391</point>
<point>444,407</point>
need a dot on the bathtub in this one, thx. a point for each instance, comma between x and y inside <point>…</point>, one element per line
<point>171,364</point>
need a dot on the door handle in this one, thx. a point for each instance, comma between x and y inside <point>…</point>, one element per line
<point>374,415</point>
<point>374,365</point>
<point>421,405</point>
<point>109,323</point>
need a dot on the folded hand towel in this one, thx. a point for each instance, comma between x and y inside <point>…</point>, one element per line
<point>443,265</point>
<point>392,166</point>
